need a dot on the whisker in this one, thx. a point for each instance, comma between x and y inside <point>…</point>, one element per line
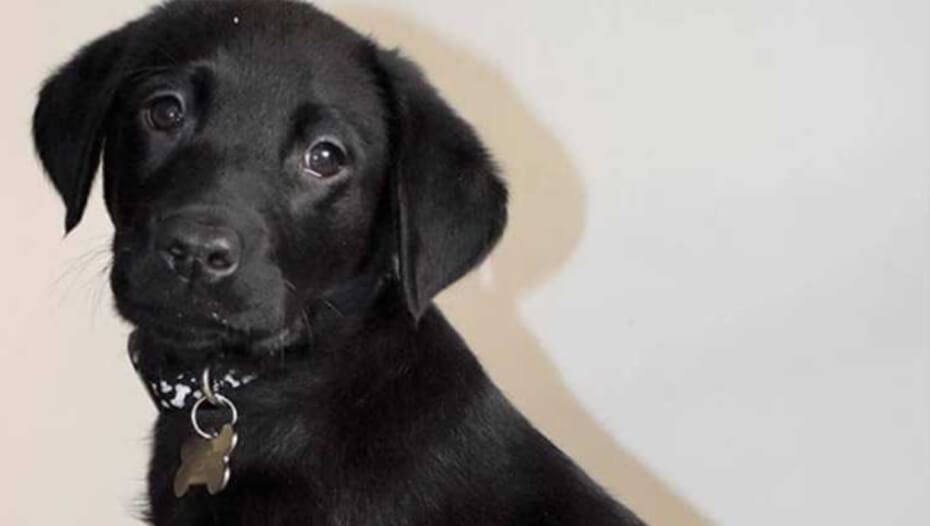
<point>333,307</point>
<point>79,263</point>
<point>71,276</point>
<point>100,290</point>
<point>307,327</point>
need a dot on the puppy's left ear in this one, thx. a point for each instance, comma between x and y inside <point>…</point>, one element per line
<point>69,119</point>
<point>450,205</point>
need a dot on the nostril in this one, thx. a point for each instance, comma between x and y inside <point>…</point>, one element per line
<point>220,256</point>
<point>178,257</point>
<point>178,251</point>
<point>219,260</point>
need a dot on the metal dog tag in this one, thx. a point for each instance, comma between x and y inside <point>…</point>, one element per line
<point>205,462</point>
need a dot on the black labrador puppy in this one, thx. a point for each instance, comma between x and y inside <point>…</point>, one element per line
<point>288,198</point>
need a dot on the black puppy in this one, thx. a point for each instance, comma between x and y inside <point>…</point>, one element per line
<point>288,198</point>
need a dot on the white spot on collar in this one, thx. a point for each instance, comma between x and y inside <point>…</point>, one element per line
<point>231,381</point>
<point>181,392</point>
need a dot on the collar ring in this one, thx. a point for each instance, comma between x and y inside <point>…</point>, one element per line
<point>222,400</point>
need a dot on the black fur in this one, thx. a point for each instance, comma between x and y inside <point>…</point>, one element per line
<point>374,411</point>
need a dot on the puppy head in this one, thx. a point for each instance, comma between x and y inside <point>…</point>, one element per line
<point>256,156</point>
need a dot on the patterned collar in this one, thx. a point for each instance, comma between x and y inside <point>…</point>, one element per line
<point>173,386</point>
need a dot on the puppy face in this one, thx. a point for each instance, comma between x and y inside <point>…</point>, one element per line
<point>258,155</point>
<point>247,174</point>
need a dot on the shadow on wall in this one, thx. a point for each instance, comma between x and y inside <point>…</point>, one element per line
<point>546,222</point>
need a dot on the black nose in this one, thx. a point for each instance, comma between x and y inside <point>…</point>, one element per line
<point>197,251</point>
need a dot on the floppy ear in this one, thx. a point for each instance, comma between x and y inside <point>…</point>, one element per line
<point>450,204</point>
<point>68,123</point>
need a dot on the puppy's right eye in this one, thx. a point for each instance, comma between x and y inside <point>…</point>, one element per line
<point>324,159</point>
<point>165,113</point>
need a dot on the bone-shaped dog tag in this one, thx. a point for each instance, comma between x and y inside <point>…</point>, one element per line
<point>205,462</point>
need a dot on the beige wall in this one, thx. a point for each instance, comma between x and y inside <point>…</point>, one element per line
<point>714,292</point>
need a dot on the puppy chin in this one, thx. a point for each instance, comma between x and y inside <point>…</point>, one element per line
<point>197,329</point>
<point>198,341</point>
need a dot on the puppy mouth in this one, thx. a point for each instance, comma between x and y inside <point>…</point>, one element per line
<point>197,331</point>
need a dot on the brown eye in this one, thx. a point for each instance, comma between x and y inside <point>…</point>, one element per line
<point>324,159</point>
<point>165,113</point>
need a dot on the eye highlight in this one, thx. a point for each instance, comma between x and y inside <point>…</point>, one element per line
<point>165,113</point>
<point>325,158</point>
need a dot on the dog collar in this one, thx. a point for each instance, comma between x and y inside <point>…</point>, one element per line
<point>175,387</point>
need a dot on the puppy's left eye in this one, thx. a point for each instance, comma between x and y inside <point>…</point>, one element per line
<point>325,158</point>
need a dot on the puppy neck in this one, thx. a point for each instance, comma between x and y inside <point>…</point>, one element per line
<point>172,372</point>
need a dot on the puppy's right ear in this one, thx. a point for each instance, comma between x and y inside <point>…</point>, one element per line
<point>69,119</point>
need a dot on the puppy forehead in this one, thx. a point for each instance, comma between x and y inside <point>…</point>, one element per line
<point>288,75</point>
<point>281,54</point>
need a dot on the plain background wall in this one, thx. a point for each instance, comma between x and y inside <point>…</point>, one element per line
<point>714,291</point>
